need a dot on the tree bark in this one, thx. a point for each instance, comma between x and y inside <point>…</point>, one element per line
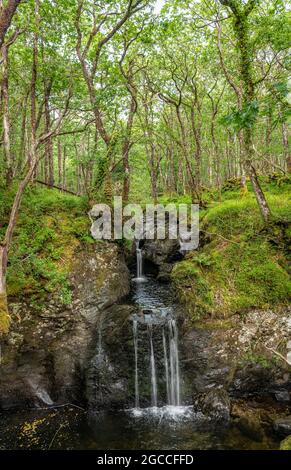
<point>6,15</point>
<point>6,119</point>
<point>241,14</point>
<point>49,162</point>
<point>286,148</point>
<point>126,148</point>
<point>60,177</point>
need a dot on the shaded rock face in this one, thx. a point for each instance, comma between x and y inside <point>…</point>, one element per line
<point>47,352</point>
<point>233,356</point>
<point>215,404</point>
<point>110,369</point>
<point>282,426</point>
<point>163,253</point>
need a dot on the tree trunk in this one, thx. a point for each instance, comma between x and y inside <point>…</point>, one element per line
<point>64,167</point>
<point>6,15</point>
<point>240,25</point>
<point>251,171</point>
<point>4,316</point>
<point>49,162</point>
<point>60,177</point>
<point>4,249</point>
<point>126,149</point>
<point>6,119</point>
<point>22,151</point>
<point>194,189</point>
<point>285,140</point>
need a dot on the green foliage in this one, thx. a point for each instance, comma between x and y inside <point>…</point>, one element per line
<point>254,358</point>
<point>238,269</point>
<point>49,229</point>
<point>244,119</point>
<point>286,444</point>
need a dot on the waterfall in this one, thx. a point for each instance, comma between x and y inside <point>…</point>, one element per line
<point>174,364</point>
<point>100,339</point>
<point>139,267</point>
<point>135,340</point>
<point>171,363</point>
<point>166,366</point>
<point>153,369</point>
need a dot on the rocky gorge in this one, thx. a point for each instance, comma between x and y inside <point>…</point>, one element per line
<point>83,354</point>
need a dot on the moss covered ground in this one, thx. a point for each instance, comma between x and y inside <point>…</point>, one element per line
<point>239,265</point>
<point>50,228</point>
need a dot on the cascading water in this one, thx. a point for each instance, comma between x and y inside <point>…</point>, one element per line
<point>139,266</point>
<point>174,364</point>
<point>156,314</point>
<point>153,369</point>
<point>166,366</point>
<point>135,339</point>
<point>100,339</point>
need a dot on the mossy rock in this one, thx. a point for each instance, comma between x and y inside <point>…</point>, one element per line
<point>286,444</point>
<point>238,266</point>
<point>4,316</point>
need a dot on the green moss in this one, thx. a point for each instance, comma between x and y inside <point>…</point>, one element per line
<point>238,268</point>
<point>286,444</point>
<point>4,316</point>
<point>253,358</point>
<point>50,228</point>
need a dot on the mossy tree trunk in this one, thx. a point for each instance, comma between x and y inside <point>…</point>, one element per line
<point>241,12</point>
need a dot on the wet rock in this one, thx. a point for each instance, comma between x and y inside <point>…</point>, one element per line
<point>248,420</point>
<point>47,351</point>
<point>163,253</point>
<point>215,405</point>
<point>282,396</point>
<point>252,379</point>
<point>282,426</point>
<point>109,373</point>
<point>250,428</point>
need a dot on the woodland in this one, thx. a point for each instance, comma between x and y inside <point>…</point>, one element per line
<point>154,101</point>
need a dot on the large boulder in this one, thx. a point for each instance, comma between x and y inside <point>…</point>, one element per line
<point>163,254</point>
<point>282,426</point>
<point>214,404</point>
<point>232,354</point>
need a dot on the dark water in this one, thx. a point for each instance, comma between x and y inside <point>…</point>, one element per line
<point>165,428</point>
<point>121,430</point>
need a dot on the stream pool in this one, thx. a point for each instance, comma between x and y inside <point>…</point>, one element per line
<point>70,428</point>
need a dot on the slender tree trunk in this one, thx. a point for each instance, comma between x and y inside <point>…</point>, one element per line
<point>286,148</point>
<point>22,150</point>
<point>49,162</point>
<point>60,177</point>
<point>153,172</point>
<point>64,167</point>
<point>194,187</point>
<point>6,118</point>
<point>126,149</point>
